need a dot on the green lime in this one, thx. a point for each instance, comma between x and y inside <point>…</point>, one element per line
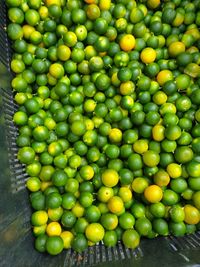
<point>131,238</point>
<point>92,213</point>
<point>158,210</point>
<point>53,200</point>
<point>26,155</point>
<point>126,220</point>
<point>80,225</point>
<point>177,214</point>
<point>160,226</point>
<point>143,226</point>
<point>68,219</point>
<point>79,243</point>
<point>54,245</point>
<point>177,228</point>
<point>110,238</point>
<point>40,243</point>
<point>20,118</point>
<point>183,154</point>
<point>68,201</point>
<point>15,31</point>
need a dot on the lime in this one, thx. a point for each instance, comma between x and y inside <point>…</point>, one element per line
<point>139,184</point>
<point>131,238</point>
<point>153,193</point>
<point>53,229</point>
<point>68,219</point>
<point>55,214</point>
<point>39,218</point>
<point>170,197</point>
<point>160,226</point>
<point>183,154</point>
<point>15,31</point>
<point>68,201</point>
<point>151,158</point>
<point>54,245</point>
<point>143,226</point>
<point>126,220</point>
<point>26,155</point>
<point>67,238</point>
<point>125,176</point>
<point>40,242</point>
<point>110,178</point>
<point>53,200</point>
<point>177,214</point>
<point>94,232</point>
<point>110,238</point>
<point>79,243</point>
<point>92,214</point>
<point>177,229</point>
<point>37,200</point>
<point>86,199</point>
<point>138,210</point>
<point>158,210</point>
<point>32,17</point>
<point>33,184</point>
<point>20,118</point>
<point>80,225</point>
<point>109,221</point>
<point>115,205</point>
<point>135,162</point>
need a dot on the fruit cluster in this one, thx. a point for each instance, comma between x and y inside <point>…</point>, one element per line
<point>109,118</point>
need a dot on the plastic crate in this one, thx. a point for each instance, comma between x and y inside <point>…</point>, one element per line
<point>16,239</point>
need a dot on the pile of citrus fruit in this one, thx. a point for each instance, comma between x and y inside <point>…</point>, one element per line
<point>108,118</point>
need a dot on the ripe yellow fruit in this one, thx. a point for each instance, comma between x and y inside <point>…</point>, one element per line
<point>115,135</point>
<point>127,42</point>
<point>192,215</point>
<point>53,229</point>
<point>174,170</point>
<point>110,178</point>
<point>176,48</point>
<point>158,132</point>
<point>153,193</point>
<point>53,2</point>
<point>115,204</point>
<point>164,76</point>
<point>67,238</point>
<point>104,5</point>
<point>148,55</point>
<point>153,3</point>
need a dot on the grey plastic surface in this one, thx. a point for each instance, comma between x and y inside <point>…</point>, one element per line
<point>16,240</point>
